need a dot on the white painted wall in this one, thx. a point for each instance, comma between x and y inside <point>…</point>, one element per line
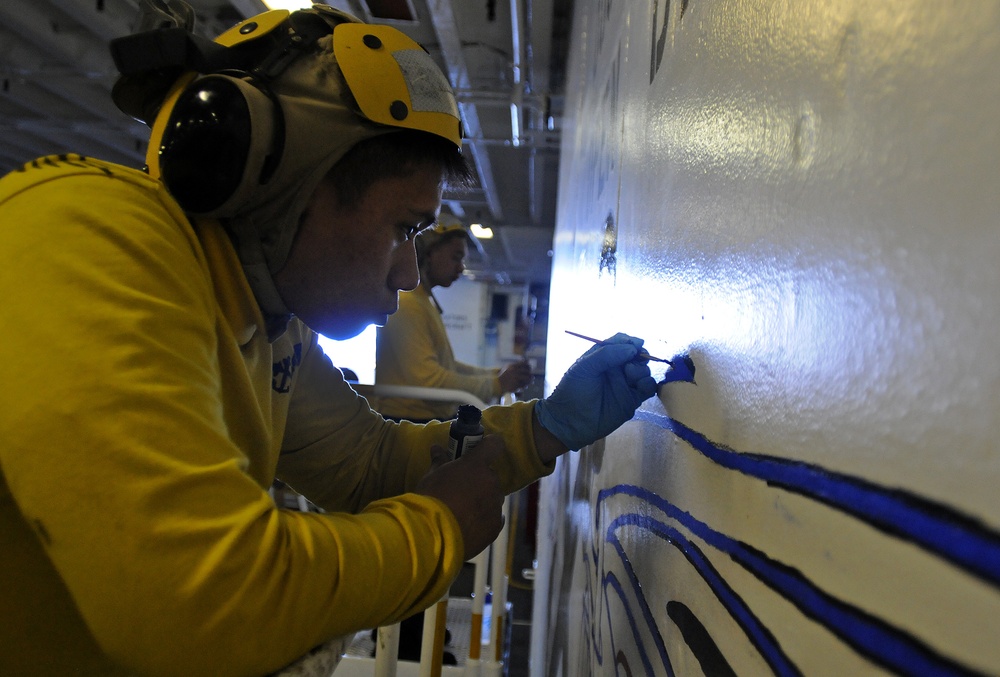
<point>466,308</point>
<point>804,196</point>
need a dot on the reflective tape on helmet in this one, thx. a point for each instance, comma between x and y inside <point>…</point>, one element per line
<point>395,82</point>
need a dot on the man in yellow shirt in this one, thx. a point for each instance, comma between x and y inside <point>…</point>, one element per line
<point>413,347</point>
<point>164,326</point>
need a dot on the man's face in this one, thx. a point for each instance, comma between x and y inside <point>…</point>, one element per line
<point>445,263</point>
<point>347,265</point>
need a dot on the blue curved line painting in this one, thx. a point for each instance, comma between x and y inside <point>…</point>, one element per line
<point>804,204</point>
<point>629,626</point>
<point>946,532</point>
<point>884,644</point>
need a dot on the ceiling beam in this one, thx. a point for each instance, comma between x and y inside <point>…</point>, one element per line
<point>72,47</point>
<point>443,20</point>
<point>112,20</point>
<point>517,91</point>
<point>536,187</point>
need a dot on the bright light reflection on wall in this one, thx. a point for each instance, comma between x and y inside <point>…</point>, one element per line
<point>813,333</point>
<point>357,353</point>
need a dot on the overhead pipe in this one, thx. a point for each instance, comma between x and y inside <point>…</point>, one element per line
<point>536,187</point>
<point>446,30</point>
<point>538,142</point>
<point>482,97</point>
<point>535,163</point>
<point>517,91</point>
<point>522,69</point>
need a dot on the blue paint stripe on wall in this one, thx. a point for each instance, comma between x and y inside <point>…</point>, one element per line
<point>870,636</point>
<point>757,633</point>
<point>610,580</point>
<point>937,528</point>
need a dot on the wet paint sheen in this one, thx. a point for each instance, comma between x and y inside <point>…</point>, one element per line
<point>802,198</point>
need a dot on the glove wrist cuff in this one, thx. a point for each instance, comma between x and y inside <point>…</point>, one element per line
<point>546,420</point>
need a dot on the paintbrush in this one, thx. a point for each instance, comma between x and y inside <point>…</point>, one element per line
<point>643,355</point>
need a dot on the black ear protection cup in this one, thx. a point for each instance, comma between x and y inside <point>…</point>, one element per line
<point>219,137</point>
<point>218,132</point>
<point>222,140</point>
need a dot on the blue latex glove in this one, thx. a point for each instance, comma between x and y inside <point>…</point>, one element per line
<point>598,393</point>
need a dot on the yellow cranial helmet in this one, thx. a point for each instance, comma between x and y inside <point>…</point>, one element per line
<point>245,127</point>
<point>447,228</point>
<point>446,223</point>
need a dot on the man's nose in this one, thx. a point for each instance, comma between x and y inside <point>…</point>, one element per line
<point>405,274</point>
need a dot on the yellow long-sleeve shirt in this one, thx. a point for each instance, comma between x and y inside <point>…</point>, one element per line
<point>413,349</point>
<point>146,416</point>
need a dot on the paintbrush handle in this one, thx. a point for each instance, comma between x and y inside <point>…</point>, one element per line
<point>643,355</point>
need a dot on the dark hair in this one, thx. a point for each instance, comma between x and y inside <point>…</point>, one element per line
<point>394,155</point>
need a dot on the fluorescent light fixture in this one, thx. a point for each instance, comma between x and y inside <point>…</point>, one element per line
<point>515,125</point>
<point>290,5</point>
<point>383,10</point>
<point>480,231</point>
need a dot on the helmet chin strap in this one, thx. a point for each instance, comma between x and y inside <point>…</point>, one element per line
<point>251,254</point>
